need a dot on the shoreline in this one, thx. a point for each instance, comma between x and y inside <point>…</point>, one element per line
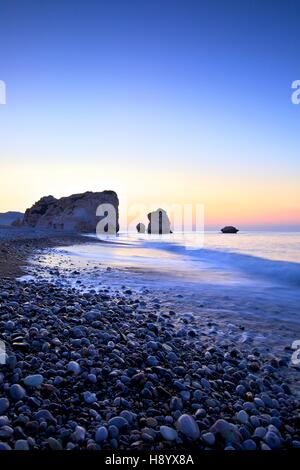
<point>18,245</point>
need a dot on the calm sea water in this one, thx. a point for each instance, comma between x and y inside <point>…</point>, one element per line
<point>251,257</point>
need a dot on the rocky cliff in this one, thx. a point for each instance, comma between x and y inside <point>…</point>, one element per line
<point>76,213</point>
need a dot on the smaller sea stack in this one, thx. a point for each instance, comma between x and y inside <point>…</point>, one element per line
<point>229,229</point>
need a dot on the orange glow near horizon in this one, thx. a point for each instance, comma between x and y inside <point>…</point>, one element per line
<point>226,201</point>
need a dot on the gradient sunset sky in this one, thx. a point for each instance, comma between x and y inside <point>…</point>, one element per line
<point>163,101</point>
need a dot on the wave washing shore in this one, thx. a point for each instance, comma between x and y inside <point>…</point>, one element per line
<point>111,347</point>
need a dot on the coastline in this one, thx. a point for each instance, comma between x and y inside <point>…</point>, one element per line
<point>18,245</point>
<point>124,370</point>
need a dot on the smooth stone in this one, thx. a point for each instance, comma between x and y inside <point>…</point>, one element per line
<point>168,433</point>
<point>209,438</point>
<point>79,434</point>
<point>118,421</point>
<point>267,400</point>
<point>240,390</point>
<point>187,425</point>
<point>17,392</point>
<point>4,446</point>
<point>254,420</point>
<point>205,383</point>
<point>101,434</point>
<point>265,447</point>
<point>176,403</point>
<point>258,401</point>
<point>113,431</point>
<point>4,405</point>
<point>249,444</point>
<point>152,361</point>
<point>227,430</point>
<point>276,422</point>
<point>89,397</point>
<point>6,432</point>
<point>242,417</point>
<point>272,440</point>
<point>44,415</point>
<point>4,421</point>
<point>172,357</point>
<point>21,444</point>
<point>92,378</point>
<point>74,367</point>
<point>33,380</point>
<point>127,415</point>
<point>54,444</point>
<point>260,432</point>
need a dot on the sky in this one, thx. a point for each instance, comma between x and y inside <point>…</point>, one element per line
<point>163,101</point>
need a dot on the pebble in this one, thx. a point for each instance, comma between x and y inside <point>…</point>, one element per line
<point>89,397</point>
<point>44,415</point>
<point>17,392</point>
<point>33,381</point>
<point>21,444</point>
<point>79,434</point>
<point>4,405</point>
<point>187,425</point>
<point>74,367</point>
<point>260,432</point>
<point>242,417</point>
<point>209,438</point>
<point>118,421</point>
<point>101,434</point>
<point>168,433</point>
<point>249,444</point>
<point>6,432</point>
<point>272,440</point>
<point>54,444</point>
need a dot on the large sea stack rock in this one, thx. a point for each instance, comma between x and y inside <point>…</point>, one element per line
<point>76,213</point>
<point>229,229</point>
<point>159,222</point>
